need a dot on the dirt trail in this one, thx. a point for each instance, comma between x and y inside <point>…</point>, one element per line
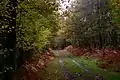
<point>63,56</point>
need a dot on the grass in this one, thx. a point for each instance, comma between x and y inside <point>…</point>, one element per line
<point>91,64</point>
<point>52,72</point>
<point>72,67</point>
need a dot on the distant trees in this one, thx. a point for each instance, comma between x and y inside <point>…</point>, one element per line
<point>93,23</point>
<point>115,19</point>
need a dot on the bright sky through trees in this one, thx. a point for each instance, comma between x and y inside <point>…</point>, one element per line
<point>64,5</point>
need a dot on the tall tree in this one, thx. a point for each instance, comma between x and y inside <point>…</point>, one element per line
<point>25,27</point>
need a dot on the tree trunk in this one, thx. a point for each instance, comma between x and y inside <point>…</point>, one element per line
<point>11,38</point>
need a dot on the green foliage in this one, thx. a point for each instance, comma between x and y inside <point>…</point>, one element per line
<point>115,10</point>
<point>25,27</point>
<point>35,22</point>
<point>94,25</point>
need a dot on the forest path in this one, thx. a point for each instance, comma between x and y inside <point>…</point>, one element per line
<point>73,68</point>
<point>68,67</point>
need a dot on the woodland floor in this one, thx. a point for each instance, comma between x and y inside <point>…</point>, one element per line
<point>68,67</point>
